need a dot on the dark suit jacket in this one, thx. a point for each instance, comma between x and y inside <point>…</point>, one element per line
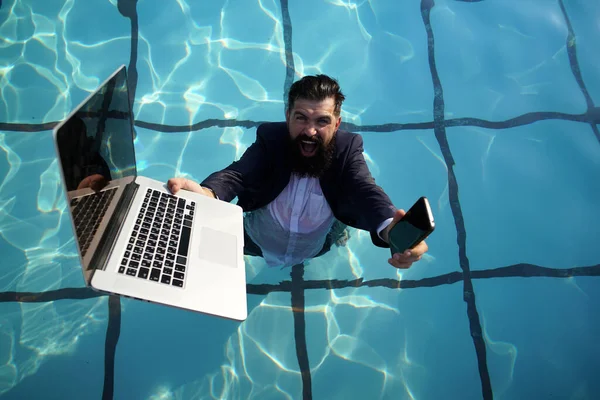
<point>263,172</point>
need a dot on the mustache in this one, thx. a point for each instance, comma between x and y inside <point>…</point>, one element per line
<point>315,139</point>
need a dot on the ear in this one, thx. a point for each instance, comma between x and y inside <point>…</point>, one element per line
<point>339,121</point>
<point>287,115</point>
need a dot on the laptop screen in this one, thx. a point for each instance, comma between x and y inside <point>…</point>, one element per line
<point>96,154</point>
<point>95,144</point>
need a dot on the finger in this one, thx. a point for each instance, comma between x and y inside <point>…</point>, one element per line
<point>398,264</point>
<point>407,257</point>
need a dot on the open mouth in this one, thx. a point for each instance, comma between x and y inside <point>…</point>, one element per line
<point>308,147</point>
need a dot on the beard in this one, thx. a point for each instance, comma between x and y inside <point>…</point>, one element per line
<point>316,165</point>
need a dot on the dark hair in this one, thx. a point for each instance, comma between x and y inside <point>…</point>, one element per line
<point>317,87</point>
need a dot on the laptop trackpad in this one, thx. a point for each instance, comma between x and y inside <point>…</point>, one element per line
<point>218,247</point>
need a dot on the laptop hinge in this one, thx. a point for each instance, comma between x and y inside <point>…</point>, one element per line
<point>109,238</point>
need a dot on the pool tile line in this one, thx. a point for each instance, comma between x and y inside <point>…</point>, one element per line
<point>78,293</point>
<point>440,134</point>
<point>128,9</point>
<point>572,54</point>
<point>298,304</point>
<point>113,331</point>
<point>522,270</point>
<point>290,68</point>
<point>297,271</point>
<point>574,62</point>
<point>592,117</point>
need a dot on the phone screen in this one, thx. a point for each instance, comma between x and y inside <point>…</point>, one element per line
<point>404,235</point>
<point>415,226</point>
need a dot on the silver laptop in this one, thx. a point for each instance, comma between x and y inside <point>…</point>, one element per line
<point>134,238</point>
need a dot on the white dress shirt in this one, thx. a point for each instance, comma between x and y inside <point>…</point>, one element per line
<point>294,226</point>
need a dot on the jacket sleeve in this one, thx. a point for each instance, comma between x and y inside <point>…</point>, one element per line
<point>372,205</point>
<point>231,181</point>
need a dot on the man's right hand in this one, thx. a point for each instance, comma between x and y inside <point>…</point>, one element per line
<point>177,184</point>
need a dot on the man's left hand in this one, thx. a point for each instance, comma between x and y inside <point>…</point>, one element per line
<point>406,259</point>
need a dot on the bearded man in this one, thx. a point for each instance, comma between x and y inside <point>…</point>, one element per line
<point>303,181</point>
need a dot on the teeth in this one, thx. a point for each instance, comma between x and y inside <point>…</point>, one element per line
<point>307,142</point>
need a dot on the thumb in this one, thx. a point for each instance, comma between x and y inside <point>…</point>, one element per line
<point>399,214</point>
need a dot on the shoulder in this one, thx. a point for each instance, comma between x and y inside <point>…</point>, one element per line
<point>272,131</point>
<point>348,142</point>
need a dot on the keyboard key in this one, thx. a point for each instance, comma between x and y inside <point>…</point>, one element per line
<point>147,256</point>
<point>166,279</point>
<point>150,249</point>
<point>155,274</point>
<point>153,236</point>
<point>178,275</point>
<point>124,261</point>
<point>143,273</point>
<point>145,263</point>
<point>136,257</point>
<point>159,257</point>
<point>181,260</point>
<point>131,272</point>
<point>121,269</point>
<point>168,263</point>
<point>144,231</point>
<point>138,250</point>
<point>134,264</point>
<point>127,254</point>
<point>157,264</point>
<point>179,268</point>
<point>167,271</point>
<point>160,250</point>
<point>177,282</point>
<point>172,250</point>
<point>171,256</point>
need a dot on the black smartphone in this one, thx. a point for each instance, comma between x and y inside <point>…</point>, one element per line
<point>413,228</point>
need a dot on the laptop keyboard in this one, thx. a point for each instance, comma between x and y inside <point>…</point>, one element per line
<point>88,212</point>
<point>158,246</point>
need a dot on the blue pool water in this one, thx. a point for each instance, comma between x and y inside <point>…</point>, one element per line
<point>486,107</point>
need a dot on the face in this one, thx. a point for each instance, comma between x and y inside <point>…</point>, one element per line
<point>312,122</point>
<point>312,125</point>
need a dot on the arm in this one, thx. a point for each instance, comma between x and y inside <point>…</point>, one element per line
<point>372,204</point>
<point>251,167</point>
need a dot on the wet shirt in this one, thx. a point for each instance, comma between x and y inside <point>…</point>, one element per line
<point>294,226</point>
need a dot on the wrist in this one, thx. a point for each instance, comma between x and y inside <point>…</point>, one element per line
<point>209,190</point>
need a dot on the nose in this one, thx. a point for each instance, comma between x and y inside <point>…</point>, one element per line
<point>310,131</point>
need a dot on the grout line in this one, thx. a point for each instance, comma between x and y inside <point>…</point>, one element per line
<point>113,331</point>
<point>591,117</point>
<point>128,9</point>
<point>512,271</point>
<point>290,68</point>
<point>573,61</point>
<point>440,134</point>
<point>80,293</point>
<point>297,273</point>
<point>298,303</point>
